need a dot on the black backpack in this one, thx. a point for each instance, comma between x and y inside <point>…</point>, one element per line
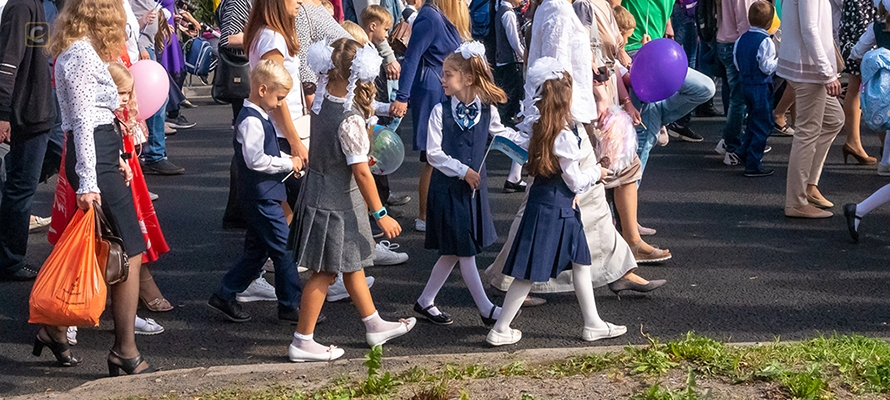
<point>706,20</point>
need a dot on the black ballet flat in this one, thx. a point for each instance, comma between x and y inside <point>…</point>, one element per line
<point>489,321</point>
<point>850,214</point>
<point>442,319</point>
<point>129,365</point>
<point>58,349</point>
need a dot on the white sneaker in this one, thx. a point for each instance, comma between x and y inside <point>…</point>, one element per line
<point>721,147</point>
<point>419,225</point>
<point>168,129</point>
<point>259,290</point>
<point>663,137</point>
<point>731,159</point>
<point>337,291</point>
<point>148,327</point>
<point>152,196</point>
<point>269,266</point>
<point>72,335</point>
<point>384,254</point>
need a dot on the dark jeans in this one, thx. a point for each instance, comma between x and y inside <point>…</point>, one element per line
<point>760,123</point>
<point>175,96</point>
<point>23,164</point>
<point>732,130</point>
<point>266,237</point>
<point>155,147</point>
<point>509,77</point>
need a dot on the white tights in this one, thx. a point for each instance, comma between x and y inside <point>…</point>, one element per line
<point>515,175</point>
<point>468,271</point>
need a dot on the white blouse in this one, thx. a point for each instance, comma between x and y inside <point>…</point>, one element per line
<point>269,40</point>
<point>568,151</point>
<point>353,135</point>
<point>251,135</point>
<point>445,163</point>
<point>87,97</point>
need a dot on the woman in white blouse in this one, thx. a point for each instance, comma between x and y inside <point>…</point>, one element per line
<point>87,35</point>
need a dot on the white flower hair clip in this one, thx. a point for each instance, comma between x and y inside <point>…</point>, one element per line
<point>471,49</point>
<point>365,68</point>
<point>318,58</point>
<point>540,71</point>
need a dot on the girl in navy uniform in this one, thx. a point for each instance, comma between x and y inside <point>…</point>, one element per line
<point>551,237</point>
<point>458,219</point>
<point>330,227</point>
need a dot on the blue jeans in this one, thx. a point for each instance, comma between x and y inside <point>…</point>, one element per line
<point>155,148</point>
<point>696,90</point>
<point>732,131</point>
<point>266,237</point>
<point>23,165</point>
<point>685,33</point>
<point>758,99</point>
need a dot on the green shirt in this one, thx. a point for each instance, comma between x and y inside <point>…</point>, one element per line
<point>652,18</point>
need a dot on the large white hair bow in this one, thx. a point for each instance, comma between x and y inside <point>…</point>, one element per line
<point>318,57</point>
<point>540,71</point>
<point>471,49</point>
<point>365,68</point>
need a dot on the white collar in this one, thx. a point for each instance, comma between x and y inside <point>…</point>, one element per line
<point>334,99</point>
<point>759,30</point>
<point>476,101</point>
<point>263,113</point>
<point>507,3</point>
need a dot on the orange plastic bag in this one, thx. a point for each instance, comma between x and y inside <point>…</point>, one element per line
<point>70,289</point>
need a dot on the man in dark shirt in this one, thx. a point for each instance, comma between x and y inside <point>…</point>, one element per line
<point>27,113</point>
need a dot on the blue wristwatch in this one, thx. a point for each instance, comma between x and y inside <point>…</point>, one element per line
<point>379,213</point>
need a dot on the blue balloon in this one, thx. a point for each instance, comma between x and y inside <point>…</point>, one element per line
<point>387,151</point>
<point>659,70</point>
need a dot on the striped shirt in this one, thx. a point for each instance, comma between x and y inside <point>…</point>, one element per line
<point>232,19</point>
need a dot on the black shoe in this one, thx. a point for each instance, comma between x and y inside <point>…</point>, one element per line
<point>510,187</point>
<point>58,349</point>
<point>129,365</point>
<point>187,104</point>
<point>293,316</point>
<point>180,123</point>
<point>627,284</point>
<point>707,110</point>
<point>25,273</point>
<point>442,319</point>
<point>760,174</point>
<point>683,132</point>
<point>489,321</point>
<point>231,309</point>
<point>850,214</point>
<point>396,201</point>
<point>163,167</point>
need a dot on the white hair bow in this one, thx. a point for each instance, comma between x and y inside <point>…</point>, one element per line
<point>365,68</point>
<point>471,49</point>
<point>540,71</point>
<point>318,57</point>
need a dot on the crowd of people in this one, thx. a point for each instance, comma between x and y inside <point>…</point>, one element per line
<point>546,75</point>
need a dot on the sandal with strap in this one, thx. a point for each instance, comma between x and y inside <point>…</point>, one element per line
<point>129,365</point>
<point>656,255</point>
<point>159,304</point>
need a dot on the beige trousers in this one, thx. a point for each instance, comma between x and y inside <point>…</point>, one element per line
<point>819,119</point>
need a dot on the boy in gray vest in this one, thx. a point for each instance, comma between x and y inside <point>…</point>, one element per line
<point>508,73</point>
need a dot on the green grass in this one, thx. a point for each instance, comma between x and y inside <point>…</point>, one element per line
<point>810,369</point>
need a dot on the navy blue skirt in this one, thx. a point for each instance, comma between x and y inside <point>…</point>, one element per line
<point>458,224</point>
<point>550,235</point>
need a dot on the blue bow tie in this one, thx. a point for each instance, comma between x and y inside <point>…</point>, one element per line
<point>466,115</point>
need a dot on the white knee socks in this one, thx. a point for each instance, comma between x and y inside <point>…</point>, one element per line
<point>519,289</point>
<point>468,271</point>
<point>581,277</point>
<point>515,175</point>
<point>438,277</point>
<point>874,201</point>
<point>471,277</point>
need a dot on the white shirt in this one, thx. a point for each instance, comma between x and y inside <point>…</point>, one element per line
<point>251,135</point>
<point>269,40</point>
<point>767,59</point>
<point>568,151</point>
<point>132,29</point>
<point>444,162</point>
<point>866,43</point>
<point>511,28</point>
<point>87,97</point>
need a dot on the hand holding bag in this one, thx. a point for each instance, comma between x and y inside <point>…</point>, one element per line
<point>112,259</point>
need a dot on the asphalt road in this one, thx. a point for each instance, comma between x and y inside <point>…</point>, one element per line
<point>741,271</point>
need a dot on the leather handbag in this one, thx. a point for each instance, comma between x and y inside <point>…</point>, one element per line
<point>231,81</point>
<point>398,39</point>
<point>110,254</point>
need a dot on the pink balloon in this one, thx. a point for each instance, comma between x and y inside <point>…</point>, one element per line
<point>151,87</point>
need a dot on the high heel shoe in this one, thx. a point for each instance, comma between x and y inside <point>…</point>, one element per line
<point>861,160</point>
<point>58,350</point>
<point>129,365</point>
<point>850,214</point>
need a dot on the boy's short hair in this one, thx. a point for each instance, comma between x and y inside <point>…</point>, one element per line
<point>761,14</point>
<point>356,32</point>
<point>272,74</point>
<point>624,19</point>
<point>375,13</point>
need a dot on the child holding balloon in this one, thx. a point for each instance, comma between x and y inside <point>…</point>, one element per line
<point>458,218</point>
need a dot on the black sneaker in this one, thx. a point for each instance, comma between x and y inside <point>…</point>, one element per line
<point>25,273</point>
<point>397,200</point>
<point>231,309</point>
<point>683,132</point>
<point>510,187</point>
<point>707,110</point>
<point>180,123</point>
<point>163,167</point>
<point>759,174</point>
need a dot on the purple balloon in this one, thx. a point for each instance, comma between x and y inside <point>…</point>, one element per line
<point>658,71</point>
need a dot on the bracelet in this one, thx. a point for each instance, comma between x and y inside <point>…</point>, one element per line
<point>624,101</point>
<point>379,213</point>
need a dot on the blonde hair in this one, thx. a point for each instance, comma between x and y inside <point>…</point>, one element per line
<point>328,6</point>
<point>625,21</point>
<point>457,12</point>
<point>101,21</point>
<point>124,81</point>
<point>483,82</point>
<point>375,13</point>
<point>356,32</point>
<point>272,74</point>
<point>342,56</point>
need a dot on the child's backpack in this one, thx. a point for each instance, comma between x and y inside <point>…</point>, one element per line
<point>875,102</point>
<point>198,57</point>
<point>480,18</point>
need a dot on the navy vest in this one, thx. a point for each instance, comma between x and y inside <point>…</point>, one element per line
<point>504,53</point>
<point>467,146</point>
<point>253,185</point>
<point>882,37</point>
<point>746,56</point>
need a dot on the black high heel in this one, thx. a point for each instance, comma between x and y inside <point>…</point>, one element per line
<point>129,365</point>
<point>58,350</point>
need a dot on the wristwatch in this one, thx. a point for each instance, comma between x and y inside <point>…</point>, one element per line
<point>379,213</point>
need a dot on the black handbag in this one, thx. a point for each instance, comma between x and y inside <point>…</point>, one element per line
<point>232,79</point>
<point>110,254</point>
